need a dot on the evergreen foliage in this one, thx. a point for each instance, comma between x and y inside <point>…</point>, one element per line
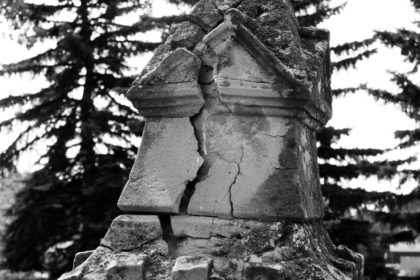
<point>375,219</point>
<point>68,204</point>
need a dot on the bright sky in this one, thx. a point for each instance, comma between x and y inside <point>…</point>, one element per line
<point>373,123</point>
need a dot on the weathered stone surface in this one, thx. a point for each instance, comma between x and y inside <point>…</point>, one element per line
<point>212,194</point>
<point>251,77</point>
<point>128,232</point>
<point>256,168</point>
<point>168,159</point>
<point>160,53</point>
<point>206,227</point>
<point>206,15</point>
<point>191,268</point>
<point>224,5</point>
<point>80,257</point>
<point>174,100</point>
<point>228,249</point>
<point>242,248</point>
<point>178,66</point>
<point>276,26</point>
<point>170,89</point>
<point>104,264</point>
<point>185,35</point>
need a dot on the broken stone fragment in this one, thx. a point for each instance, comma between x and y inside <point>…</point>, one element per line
<point>191,268</point>
<point>185,35</point>
<point>224,5</point>
<point>276,14</point>
<point>128,232</point>
<point>160,53</point>
<point>80,257</point>
<point>127,269</point>
<point>206,15</point>
<point>171,88</point>
<point>167,160</point>
<point>212,194</point>
<point>179,66</point>
<point>104,264</point>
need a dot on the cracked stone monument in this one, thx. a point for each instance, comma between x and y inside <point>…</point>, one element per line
<point>226,184</point>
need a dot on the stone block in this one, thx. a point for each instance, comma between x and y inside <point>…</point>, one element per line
<point>128,232</point>
<point>220,237</point>
<point>192,247</point>
<point>212,195</point>
<point>267,272</point>
<point>258,168</point>
<point>126,268</point>
<point>206,227</point>
<point>185,35</point>
<point>104,264</point>
<point>178,66</point>
<point>167,160</point>
<point>191,268</point>
<point>80,258</point>
<point>158,56</point>
<point>169,89</point>
<point>206,15</point>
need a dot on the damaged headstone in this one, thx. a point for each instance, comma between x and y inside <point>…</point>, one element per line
<point>226,183</point>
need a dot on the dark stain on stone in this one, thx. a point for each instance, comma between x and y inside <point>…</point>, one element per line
<point>167,232</point>
<point>265,272</point>
<point>279,196</point>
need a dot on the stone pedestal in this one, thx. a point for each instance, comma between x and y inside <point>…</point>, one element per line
<point>136,248</point>
<point>226,184</point>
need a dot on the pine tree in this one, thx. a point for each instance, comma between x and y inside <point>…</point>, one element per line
<point>70,201</point>
<point>408,99</point>
<point>375,219</point>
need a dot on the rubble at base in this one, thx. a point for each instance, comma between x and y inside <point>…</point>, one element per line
<point>212,248</point>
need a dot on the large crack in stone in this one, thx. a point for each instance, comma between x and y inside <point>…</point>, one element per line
<point>190,186</point>
<point>160,175</point>
<point>167,232</point>
<point>234,181</point>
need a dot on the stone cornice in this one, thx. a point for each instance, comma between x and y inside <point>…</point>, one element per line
<point>175,100</point>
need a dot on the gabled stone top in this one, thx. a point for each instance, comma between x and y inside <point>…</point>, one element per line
<point>295,62</point>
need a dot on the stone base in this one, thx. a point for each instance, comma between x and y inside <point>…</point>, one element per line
<point>196,248</point>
